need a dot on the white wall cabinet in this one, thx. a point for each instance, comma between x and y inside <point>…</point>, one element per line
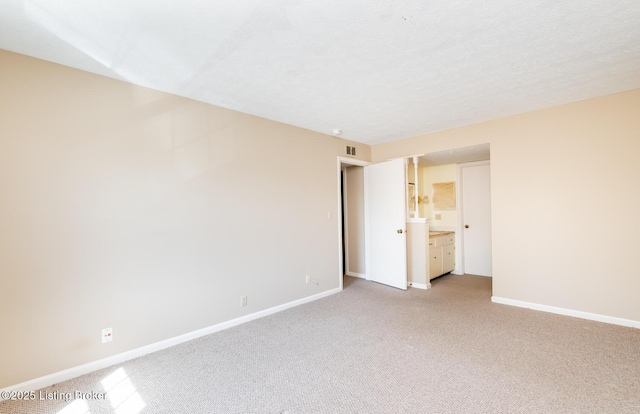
<point>441,253</point>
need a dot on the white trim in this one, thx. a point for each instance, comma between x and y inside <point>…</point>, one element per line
<point>567,312</point>
<point>420,285</point>
<point>345,218</point>
<point>417,220</point>
<point>354,274</point>
<point>74,372</point>
<point>352,161</point>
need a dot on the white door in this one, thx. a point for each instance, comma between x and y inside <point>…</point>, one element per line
<point>385,223</point>
<point>476,218</point>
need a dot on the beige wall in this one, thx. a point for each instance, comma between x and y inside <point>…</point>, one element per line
<point>126,207</point>
<point>564,202</point>
<point>121,206</point>
<point>429,176</point>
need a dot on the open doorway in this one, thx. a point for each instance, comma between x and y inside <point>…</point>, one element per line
<point>351,221</point>
<point>468,169</point>
<point>352,254</point>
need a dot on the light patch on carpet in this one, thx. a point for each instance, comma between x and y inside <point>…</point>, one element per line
<point>122,394</point>
<point>76,407</point>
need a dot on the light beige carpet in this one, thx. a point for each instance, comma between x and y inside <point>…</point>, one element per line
<point>375,349</point>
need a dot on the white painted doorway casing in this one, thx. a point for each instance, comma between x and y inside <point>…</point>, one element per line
<point>385,223</point>
<point>475,217</point>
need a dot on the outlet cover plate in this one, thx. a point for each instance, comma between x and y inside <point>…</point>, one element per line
<point>107,335</point>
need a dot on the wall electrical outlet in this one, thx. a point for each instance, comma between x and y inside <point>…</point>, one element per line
<point>243,301</point>
<point>107,335</point>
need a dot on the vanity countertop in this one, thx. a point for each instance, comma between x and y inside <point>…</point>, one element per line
<point>439,233</point>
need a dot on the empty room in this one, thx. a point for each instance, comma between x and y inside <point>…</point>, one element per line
<point>312,207</point>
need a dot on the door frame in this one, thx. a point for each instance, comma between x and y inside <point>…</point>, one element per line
<point>344,162</point>
<point>460,265</point>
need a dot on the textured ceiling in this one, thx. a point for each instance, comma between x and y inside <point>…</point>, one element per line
<point>378,70</point>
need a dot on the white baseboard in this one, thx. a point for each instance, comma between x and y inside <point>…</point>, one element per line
<point>420,285</point>
<point>74,372</point>
<point>360,275</point>
<point>568,312</point>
